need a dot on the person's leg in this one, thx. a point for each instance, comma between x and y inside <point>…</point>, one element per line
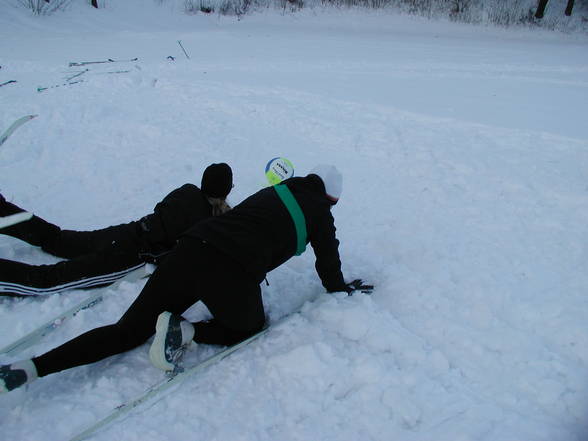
<point>89,271</point>
<point>212,332</point>
<point>35,231</point>
<point>8,208</point>
<point>238,314</point>
<point>67,244</point>
<point>70,243</point>
<point>172,287</point>
<point>233,298</point>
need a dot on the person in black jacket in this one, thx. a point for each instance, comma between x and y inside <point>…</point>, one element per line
<point>221,262</point>
<point>98,258</point>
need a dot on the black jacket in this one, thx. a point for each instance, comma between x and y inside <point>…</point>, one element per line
<point>259,233</point>
<point>177,212</point>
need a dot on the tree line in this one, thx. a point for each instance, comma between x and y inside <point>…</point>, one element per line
<point>456,7</point>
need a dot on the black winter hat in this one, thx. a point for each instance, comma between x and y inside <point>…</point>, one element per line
<point>217,180</point>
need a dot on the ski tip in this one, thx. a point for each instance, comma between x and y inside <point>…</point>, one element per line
<point>14,219</point>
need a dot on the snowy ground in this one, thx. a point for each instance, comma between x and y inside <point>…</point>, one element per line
<point>464,151</point>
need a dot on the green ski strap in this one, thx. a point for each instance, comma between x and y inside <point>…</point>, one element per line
<point>297,216</point>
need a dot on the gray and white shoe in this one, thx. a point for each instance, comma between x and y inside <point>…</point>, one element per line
<point>16,375</point>
<point>173,334</point>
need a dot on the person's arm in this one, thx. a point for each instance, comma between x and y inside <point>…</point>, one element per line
<point>328,263</point>
<point>326,249</point>
<point>177,212</point>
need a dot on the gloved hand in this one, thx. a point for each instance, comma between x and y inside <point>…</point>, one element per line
<point>358,285</point>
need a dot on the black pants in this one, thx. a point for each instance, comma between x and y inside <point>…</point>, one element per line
<point>194,271</point>
<point>68,244</point>
<point>97,258</point>
<point>90,271</point>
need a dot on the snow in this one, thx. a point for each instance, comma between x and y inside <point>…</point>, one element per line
<point>464,151</point>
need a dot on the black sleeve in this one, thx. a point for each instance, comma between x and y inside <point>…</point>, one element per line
<point>326,249</point>
<point>171,217</point>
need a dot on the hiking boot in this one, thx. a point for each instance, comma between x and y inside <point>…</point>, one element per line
<point>173,334</point>
<point>16,375</point>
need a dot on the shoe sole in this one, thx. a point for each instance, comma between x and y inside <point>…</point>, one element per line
<point>157,350</point>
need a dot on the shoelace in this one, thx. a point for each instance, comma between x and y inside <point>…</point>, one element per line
<point>175,358</point>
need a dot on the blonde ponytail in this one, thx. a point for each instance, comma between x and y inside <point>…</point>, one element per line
<point>219,206</point>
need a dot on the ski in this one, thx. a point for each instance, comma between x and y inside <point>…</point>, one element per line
<point>153,393</point>
<point>15,125</point>
<point>113,72</point>
<point>46,328</point>
<point>13,219</point>
<point>69,82</point>
<point>79,74</point>
<point>41,89</point>
<point>110,60</point>
<point>7,82</point>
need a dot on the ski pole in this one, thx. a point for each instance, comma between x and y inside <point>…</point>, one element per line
<point>185,53</point>
<point>77,75</point>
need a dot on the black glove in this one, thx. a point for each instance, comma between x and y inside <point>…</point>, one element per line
<point>358,285</point>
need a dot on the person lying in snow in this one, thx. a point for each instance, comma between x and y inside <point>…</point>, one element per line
<point>98,258</point>
<point>221,262</point>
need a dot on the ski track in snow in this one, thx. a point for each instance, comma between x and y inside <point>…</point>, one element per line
<point>464,152</point>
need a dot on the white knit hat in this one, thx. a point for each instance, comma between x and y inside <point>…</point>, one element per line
<point>332,179</point>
